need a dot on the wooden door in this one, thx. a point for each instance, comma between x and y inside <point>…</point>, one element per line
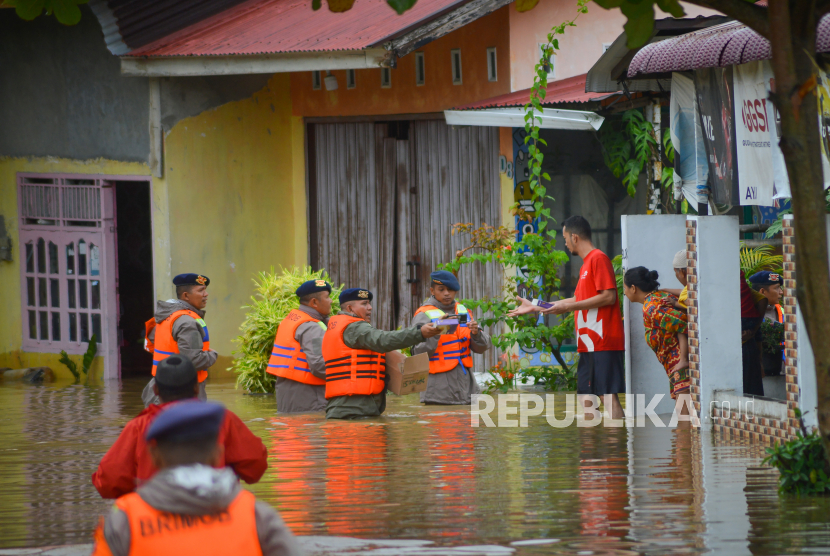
<point>382,201</point>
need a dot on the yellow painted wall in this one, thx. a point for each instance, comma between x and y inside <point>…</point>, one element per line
<point>235,186</point>
<point>11,322</point>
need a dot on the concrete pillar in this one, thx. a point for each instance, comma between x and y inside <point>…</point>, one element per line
<point>718,311</point>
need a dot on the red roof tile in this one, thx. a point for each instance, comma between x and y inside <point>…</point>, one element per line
<point>567,90</point>
<point>271,26</point>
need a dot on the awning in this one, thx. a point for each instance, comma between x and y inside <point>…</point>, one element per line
<point>552,118</point>
<point>719,46</point>
<point>562,91</point>
<point>508,110</point>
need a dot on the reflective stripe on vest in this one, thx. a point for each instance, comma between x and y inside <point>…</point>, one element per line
<point>165,345</point>
<point>288,360</point>
<point>350,372</point>
<point>453,349</point>
<point>155,533</point>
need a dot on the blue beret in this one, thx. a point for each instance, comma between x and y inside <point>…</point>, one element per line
<point>313,286</point>
<point>444,278</point>
<point>191,280</point>
<point>355,294</point>
<point>766,278</point>
<point>187,420</point>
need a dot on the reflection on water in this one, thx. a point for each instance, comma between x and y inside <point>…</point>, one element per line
<point>424,473</point>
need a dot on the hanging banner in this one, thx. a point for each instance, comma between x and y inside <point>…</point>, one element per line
<point>754,158</point>
<point>690,169</point>
<point>713,87</point>
<point>781,181</point>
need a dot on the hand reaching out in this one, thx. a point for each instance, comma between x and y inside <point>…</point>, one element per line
<point>429,330</point>
<point>523,308</point>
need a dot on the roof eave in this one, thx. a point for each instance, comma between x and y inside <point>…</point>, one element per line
<point>279,62</point>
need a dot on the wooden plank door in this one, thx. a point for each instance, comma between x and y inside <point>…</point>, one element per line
<point>454,178</point>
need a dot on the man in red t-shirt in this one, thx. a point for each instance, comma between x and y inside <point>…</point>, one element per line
<point>128,462</point>
<point>597,319</point>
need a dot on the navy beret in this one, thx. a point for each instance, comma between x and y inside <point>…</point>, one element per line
<point>313,286</point>
<point>355,294</point>
<point>766,278</point>
<point>191,280</point>
<point>176,370</point>
<point>444,278</point>
<point>187,420</point>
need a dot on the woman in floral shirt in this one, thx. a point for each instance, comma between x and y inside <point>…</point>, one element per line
<point>665,326</point>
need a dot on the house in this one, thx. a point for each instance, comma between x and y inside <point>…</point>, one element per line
<point>229,137</point>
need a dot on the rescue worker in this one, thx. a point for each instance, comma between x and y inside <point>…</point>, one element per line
<point>190,506</point>
<point>770,285</point>
<point>297,358</point>
<point>127,461</point>
<point>355,355</point>
<point>179,327</point>
<point>451,378</point>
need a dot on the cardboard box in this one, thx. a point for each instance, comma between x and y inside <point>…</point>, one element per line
<point>407,374</point>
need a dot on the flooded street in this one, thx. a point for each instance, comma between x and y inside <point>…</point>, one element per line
<point>422,473</point>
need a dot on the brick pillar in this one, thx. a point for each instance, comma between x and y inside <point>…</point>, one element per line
<point>692,303</point>
<point>790,326</point>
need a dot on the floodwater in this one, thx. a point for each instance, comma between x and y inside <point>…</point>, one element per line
<point>423,473</point>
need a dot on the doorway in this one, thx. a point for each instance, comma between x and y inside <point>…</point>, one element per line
<point>134,287</point>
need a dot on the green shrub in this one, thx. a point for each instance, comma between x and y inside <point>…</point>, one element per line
<point>273,299</point>
<point>802,463</point>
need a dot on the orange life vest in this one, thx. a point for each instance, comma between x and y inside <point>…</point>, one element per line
<point>780,312</point>
<point>288,358</point>
<point>164,345</point>
<point>452,348</point>
<point>350,371</point>
<point>156,533</point>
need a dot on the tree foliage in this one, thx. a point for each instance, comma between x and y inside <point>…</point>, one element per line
<point>65,11</point>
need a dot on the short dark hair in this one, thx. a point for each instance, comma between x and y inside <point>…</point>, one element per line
<point>175,393</point>
<point>643,278</point>
<point>306,299</point>
<point>188,452</point>
<point>184,289</point>
<point>578,225</point>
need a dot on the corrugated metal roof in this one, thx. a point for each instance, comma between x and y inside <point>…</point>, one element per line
<point>719,46</point>
<point>562,91</point>
<point>271,26</point>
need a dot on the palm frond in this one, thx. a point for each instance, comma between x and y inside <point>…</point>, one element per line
<point>756,259</point>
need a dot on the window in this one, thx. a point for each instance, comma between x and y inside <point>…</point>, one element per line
<point>386,78</point>
<point>315,80</point>
<point>420,71</point>
<point>492,67</point>
<point>548,61</point>
<point>351,82</point>
<point>456,66</point>
<point>61,236</point>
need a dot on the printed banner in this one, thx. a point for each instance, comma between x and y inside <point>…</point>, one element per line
<point>690,169</point>
<point>752,133</point>
<point>781,181</point>
<point>713,87</point>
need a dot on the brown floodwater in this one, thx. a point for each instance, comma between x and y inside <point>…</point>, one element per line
<point>424,473</point>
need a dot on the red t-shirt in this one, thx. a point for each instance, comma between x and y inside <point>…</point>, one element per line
<point>599,329</point>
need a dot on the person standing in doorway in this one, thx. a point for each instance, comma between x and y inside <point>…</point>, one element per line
<point>179,328</point>
<point>597,320</point>
<point>297,356</point>
<point>770,285</point>
<point>451,380</point>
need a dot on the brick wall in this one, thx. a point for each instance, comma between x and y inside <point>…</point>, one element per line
<point>692,304</point>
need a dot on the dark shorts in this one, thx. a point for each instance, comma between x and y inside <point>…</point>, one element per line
<point>600,373</point>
